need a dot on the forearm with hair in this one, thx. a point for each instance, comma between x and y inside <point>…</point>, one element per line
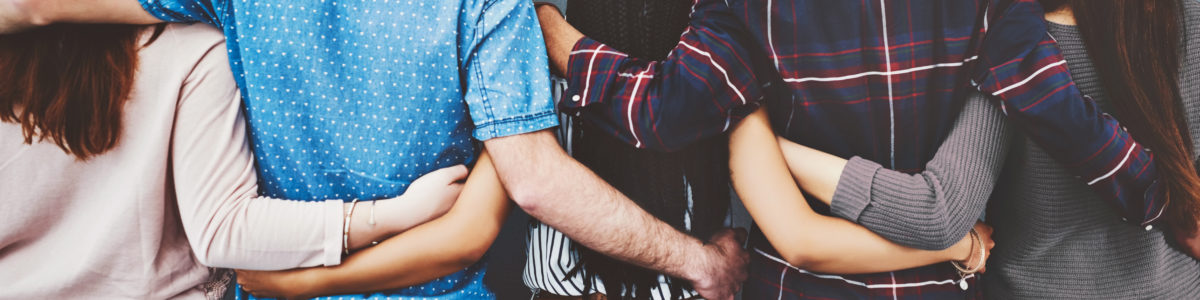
<point>560,37</point>
<point>429,251</point>
<point>807,239</point>
<point>562,193</point>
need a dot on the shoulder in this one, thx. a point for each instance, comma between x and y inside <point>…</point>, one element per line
<point>183,43</point>
<point>185,59</point>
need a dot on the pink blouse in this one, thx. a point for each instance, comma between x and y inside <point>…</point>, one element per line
<point>177,193</point>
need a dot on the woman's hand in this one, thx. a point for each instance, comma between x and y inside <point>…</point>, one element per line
<point>427,198</point>
<point>433,194</point>
<point>973,258</point>
<point>287,284</point>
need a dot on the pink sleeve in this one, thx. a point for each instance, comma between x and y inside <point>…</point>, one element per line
<point>227,224</point>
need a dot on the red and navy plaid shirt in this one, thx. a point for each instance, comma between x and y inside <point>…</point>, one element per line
<point>836,82</point>
<point>845,95</point>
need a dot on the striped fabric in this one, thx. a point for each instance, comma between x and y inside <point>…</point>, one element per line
<point>882,80</point>
<point>549,261</point>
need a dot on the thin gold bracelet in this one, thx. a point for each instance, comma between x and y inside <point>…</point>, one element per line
<point>346,228</point>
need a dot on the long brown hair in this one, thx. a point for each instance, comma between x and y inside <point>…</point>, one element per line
<point>68,83</point>
<point>1136,44</point>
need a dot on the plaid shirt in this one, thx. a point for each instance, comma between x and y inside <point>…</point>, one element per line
<point>838,87</point>
<point>835,82</point>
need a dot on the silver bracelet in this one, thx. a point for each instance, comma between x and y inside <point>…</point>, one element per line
<point>982,256</point>
<point>346,228</point>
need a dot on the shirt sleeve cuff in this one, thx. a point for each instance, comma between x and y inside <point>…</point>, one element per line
<point>334,220</point>
<point>1151,195</point>
<point>582,71</point>
<point>517,125</point>
<point>561,5</point>
<point>853,192</point>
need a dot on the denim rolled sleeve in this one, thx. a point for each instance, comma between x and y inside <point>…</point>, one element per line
<point>507,75</point>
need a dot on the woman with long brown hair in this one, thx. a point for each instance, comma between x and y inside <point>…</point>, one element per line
<point>1138,59</point>
<point>125,172</point>
<point>1055,237</point>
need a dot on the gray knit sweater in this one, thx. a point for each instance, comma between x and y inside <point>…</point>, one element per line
<point>1055,238</point>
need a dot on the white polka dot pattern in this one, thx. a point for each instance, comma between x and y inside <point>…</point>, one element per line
<point>356,98</point>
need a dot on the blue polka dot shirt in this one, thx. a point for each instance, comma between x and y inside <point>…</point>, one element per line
<point>355,99</point>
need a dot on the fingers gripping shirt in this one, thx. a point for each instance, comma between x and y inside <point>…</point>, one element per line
<point>355,99</point>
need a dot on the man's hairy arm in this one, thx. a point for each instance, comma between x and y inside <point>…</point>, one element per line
<point>18,15</point>
<point>561,192</point>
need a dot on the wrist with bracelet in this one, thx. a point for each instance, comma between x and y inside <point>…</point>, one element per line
<point>963,271</point>
<point>346,227</point>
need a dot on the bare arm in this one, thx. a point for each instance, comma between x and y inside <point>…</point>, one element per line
<point>432,250</point>
<point>560,37</point>
<point>561,192</point>
<point>929,210</point>
<point>20,14</point>
<point>807,239</point>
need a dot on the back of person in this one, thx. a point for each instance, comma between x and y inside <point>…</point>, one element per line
<point>880,80</point>
<point>356,99</point>
<point>110,221</point>
<point>855,91</point>
<point>1054,238</point>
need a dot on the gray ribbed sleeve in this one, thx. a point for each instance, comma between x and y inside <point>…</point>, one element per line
<point>933,209</point>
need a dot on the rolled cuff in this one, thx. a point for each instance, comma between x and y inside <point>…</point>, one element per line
<point>334,220</point>
<point>517,125</point>
<point>853,192</point>
<point>584,78</point>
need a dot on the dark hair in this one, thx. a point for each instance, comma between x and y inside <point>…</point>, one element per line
<point>68,83</point>
<point>1136,45</point>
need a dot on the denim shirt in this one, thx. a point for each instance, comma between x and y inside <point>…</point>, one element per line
<point>355,99</point>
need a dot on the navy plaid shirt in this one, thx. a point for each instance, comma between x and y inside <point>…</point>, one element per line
<point>836,82</point>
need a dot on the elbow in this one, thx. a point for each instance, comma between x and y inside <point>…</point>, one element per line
<point>808,260</point>
<point>477,240</point>
<point>799,259</point>
<point>212,259</point>
<point>209,255</point>
<point>469,255</point>
<point>527,194</point>
<point>801,253</point>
